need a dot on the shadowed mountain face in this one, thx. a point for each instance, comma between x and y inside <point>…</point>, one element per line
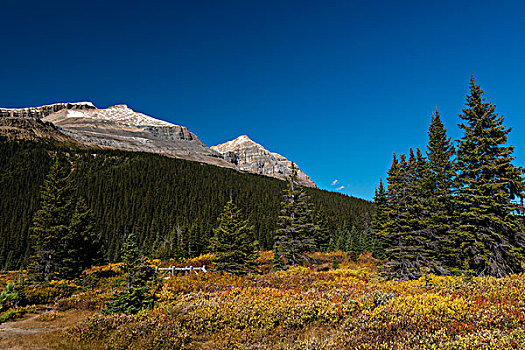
<point>32,129</point>
<point>119,127</point>
<point>252,157</point>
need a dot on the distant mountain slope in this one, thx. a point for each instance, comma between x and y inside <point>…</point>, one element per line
<point>252,157</point>
<point>120,127</point>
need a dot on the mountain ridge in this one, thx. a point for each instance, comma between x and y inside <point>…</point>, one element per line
<point>120,127</point>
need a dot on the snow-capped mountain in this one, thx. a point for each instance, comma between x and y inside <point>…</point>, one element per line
<point>252,157</point>
<point>120,127</point>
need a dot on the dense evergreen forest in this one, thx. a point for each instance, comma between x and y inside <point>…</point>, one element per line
<point>170,205</point>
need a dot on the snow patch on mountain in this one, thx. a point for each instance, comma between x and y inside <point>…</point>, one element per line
<point>120,114</point>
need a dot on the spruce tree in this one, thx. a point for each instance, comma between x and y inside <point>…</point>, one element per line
<point>322,233</point>
<point>296,229</point>
<point>81,243</point>
<point>234,248</point>
<point>139,277</point>
<point>380,207</point>
<point>396,213</point>
<point>131,258</point>
<point>438,203</point>
<point>408,242</point>
<point>488,232</point>
<point>342,236</point>
<point>412,187</point>
<point>427,246</point>
<point>277,261</point>
<point>51,224</point>
<point>380,218</point>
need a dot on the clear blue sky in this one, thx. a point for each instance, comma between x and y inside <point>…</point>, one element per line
<point>336,86</point>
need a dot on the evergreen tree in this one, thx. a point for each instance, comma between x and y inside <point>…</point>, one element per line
<point>322,234</point>
<point>380,207</point>
<point>51,224</point>
<point>233,245</point>
<point>139,276</point>
<point>81,243</point>
<point>131,258</point>
<point>277,261</point>
<point>489,233</point>
<point>194,241</point>
<point>380,218</point>
<point>396,213</point>
<point>408,242</point>
<point>296,230</point>
<point>351,243</point>
<point>438,202</point>
<point>342,236</point>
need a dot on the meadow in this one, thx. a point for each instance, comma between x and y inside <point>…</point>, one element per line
<point>336,303</point>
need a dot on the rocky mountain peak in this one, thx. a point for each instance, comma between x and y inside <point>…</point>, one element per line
<point>250,156</point>
<point>242,141</point>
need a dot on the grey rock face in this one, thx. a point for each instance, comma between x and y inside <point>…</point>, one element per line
<point>42,111</point>
<point>254,158</point>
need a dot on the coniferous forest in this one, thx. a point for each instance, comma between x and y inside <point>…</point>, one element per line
<point>170,205</point>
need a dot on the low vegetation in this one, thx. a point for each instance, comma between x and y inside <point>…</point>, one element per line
<point>303,307</point>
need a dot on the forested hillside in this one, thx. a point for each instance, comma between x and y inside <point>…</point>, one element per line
<point>171,205</point>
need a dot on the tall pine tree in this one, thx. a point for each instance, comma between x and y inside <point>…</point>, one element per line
<point>396,222</point>
<point>322,233</point>
<point>51,224</point>
<point>380,217</point>
<point>233,244</point>
<point>296,229</point>
<point>409,245</point>
<point>438,202</point>
<point>63,242</point>
<point>489,234</point>
<point>81,242</point>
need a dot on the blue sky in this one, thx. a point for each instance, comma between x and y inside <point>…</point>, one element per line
<point>336,86</point>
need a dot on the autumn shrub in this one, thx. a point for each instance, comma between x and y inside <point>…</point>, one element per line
<point>49,316</point>
<point>47,293</point>
<point>98,327</point>
<point>89,300</point>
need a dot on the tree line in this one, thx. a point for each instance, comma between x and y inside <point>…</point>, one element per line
<point>459,208</point>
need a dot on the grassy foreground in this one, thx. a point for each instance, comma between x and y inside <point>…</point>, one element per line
<point>317,307</point>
